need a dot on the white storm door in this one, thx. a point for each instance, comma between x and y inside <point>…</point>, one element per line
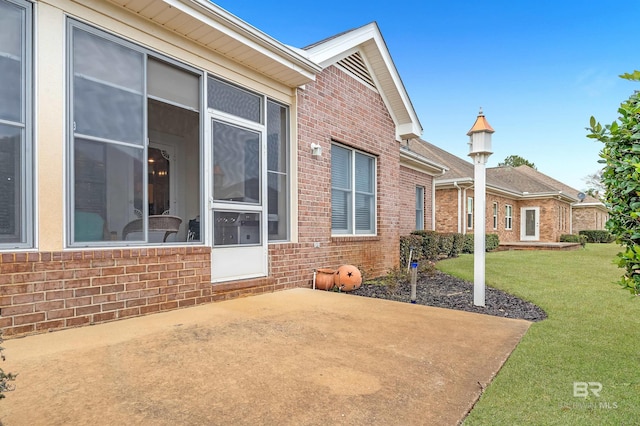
<point>238,215</point>
<point>530,223</point>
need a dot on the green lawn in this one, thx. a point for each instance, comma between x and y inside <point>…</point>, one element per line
<point>592,334</point>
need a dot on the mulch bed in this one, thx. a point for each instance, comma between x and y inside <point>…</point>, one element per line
<point>444,291</point>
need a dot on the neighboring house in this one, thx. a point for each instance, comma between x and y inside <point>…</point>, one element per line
<point>522,204</point>
<point>417,189</point>
<point>162,154</point>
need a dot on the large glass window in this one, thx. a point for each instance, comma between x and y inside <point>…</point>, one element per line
<point>15,124</point>
<point>130,133</point>
<point>352,191</point>
<point>419,208</point>
<point>469,212</point>
<point>278,171</point>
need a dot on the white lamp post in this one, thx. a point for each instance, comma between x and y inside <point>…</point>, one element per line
<point>479,151</point>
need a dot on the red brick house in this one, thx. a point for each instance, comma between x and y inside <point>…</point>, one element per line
<point>164,154</point>
<point>522,203</point>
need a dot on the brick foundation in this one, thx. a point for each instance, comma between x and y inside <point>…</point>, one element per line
<point>52,290</point>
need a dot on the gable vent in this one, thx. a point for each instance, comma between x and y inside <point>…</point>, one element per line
<point>355,64</point>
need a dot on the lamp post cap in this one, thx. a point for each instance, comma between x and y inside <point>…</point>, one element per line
<point>481,125</point>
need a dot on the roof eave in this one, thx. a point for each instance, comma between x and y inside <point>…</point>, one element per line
<point>220,31</point>
<point>583,205</point>
<point>451,182</point>
<point>418,162</point>
<point>558,195</point>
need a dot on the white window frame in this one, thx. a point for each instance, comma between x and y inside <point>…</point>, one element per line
<point>469,212</point>
<point>351,228</point>
<point>286,173</point>
<point>70,25</point>
<point>420,208</point>
<point>262,126</point>
<point>23,237</point>
<point>508,217</point>
<point>495,215</point>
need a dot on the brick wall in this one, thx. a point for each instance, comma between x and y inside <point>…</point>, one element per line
<point>409,179</point>
<point>52,290</point>
<point>552,222</point>
<point>504,234</point>
<point>588,218</point>
<point>339,108</point>
<point>447,210</point>
<point>43,291</point>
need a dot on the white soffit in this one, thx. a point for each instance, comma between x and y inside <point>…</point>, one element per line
<point>368,40</point>
<point>218,30</point>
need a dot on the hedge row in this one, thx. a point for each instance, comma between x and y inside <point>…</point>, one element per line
<point>597,236</point>
<point>573,238</point>
<point>432,245</point>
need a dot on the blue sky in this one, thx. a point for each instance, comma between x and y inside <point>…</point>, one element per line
<point>538,69</point>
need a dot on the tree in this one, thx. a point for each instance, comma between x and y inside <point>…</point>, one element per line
<point>595,187</point>
<point>515,161</point>
<point>621,180</point>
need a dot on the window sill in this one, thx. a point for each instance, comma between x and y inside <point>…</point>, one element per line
<point>353,238</point>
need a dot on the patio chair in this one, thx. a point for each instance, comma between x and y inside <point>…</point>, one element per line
<point>163,223</point>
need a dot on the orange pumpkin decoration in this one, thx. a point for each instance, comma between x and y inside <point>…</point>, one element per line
<point>348,278</point>
<point>325,279</point>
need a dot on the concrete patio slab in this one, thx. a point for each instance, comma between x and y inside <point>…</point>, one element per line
<point>299,357</point>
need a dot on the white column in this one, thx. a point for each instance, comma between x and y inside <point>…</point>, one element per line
<point>479,219</point>
<point>479,151</point>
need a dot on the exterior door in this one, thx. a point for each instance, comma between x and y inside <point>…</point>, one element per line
<point>530,223</point>
<point>237,215</point>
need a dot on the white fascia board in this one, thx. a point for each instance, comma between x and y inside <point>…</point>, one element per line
<point>369,41</point>
<point>420,163</point>
<point>452,181</point>
<point>331,51</point>
<point>233,27</point>
<point>540,195</point>
<point>579,205</point>
<point>504,191</point>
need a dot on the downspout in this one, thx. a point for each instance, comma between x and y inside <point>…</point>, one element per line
<point>571,219</point>
<point>460,228</point>
<point>463,207</point>
<point>433,201</point>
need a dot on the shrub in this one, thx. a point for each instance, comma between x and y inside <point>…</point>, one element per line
<point>573,238</point>
<point>621,179</point>
<point>427,267</point>
<point>429,244</point>
<point>5,378</point>
<point>458,245</point>
<point>597,236</point>
<point>445,244</point>
<point>492,241</point>
<point>467,244</point>
<point>407,243</point>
